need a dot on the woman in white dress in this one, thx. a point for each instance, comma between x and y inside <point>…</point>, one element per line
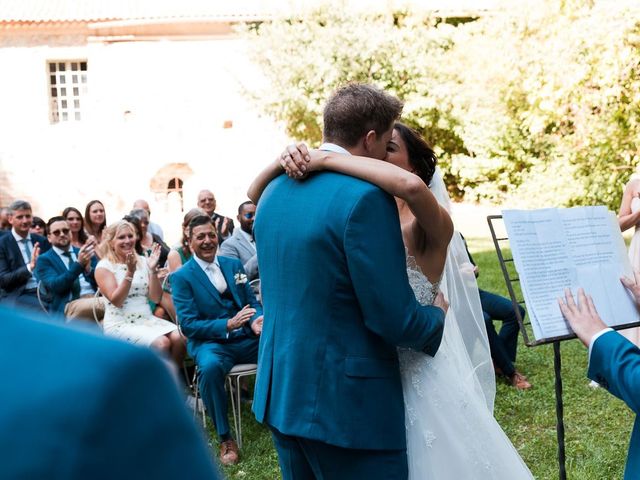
<point>128,281</point>
<point>451,432</point>
<point>629,216</point>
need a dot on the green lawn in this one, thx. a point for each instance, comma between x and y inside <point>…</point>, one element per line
<point>597,425</point>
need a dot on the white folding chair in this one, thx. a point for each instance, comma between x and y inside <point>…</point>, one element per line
<point>255,286</point>
<point>40,293</point>
<point>233,381</point>
<point>94,307</point>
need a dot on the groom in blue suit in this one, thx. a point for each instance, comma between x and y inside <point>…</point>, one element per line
<point>614,361</point>
<point>221,319</point>
<point>337,305</point>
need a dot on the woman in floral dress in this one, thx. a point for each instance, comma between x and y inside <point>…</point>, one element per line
<point>128,281</point>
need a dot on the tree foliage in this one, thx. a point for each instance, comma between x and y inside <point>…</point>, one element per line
<point>535,107</point>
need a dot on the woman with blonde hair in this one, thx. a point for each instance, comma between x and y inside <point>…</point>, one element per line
<point>128,281</point>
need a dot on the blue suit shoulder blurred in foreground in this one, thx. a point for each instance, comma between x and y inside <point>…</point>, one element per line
<point>77,405</point>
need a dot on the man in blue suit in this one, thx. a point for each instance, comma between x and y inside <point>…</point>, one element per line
<point>337,305</point>
<point>221,319</point>
<point>76,405</point>
<point>67,273</point>
<point>19,251</point>
<point>614,361</point>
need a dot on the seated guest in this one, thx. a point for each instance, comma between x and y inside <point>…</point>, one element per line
<point>154,228</point>
<point>95,219</point>
<point>614,361</point>
<point>38,227</point>
<point>503,345</point>
<point>147,239</point>
<point>241,245</point>
<point>181,254</point>
<point>5,223</point>
<point>19,252</point>
<point>80,406</point>
<point>67,273</point>
<point>76,224</point>
<point>221,319</point>
<point>127,282</point>
<point>224,225</point>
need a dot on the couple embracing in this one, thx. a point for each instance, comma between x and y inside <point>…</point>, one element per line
<point>360,376</point>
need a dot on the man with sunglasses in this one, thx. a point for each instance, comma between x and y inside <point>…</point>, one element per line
<point>241,244</point>
<point>67,272</point>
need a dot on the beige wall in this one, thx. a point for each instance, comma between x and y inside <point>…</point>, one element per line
<point>178,93</point>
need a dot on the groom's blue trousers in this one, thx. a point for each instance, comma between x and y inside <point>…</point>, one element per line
<point>304,459</point>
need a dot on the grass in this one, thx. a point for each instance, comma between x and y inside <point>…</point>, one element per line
<point>597,425</point>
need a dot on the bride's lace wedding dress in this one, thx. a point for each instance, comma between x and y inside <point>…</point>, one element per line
<point>451,432</point>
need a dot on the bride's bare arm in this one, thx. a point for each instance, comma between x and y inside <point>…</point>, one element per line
<point>627,218</point>
<point>270,172</point>
<point>275,169</point>
<point>433,219</point>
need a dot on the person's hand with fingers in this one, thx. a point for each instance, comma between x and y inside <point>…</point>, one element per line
<point>84,255</point>
<point>633,285</point>
<point>154,257</point>
<point>441,302</point>
<point>240,318</point>
<point>256,325</point>
<point>34,256</point>
<point>583,316</point>
<point>224,229</point>
<point>132,262</point>
<point>294,160</point>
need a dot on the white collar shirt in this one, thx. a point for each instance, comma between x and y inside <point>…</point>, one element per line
<point>213,273</point>
<point>332,147</point>
<point>85,287</point>
<point>26,256</point>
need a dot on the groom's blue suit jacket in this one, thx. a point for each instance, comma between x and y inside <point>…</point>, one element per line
<point>337,302</point>
<point>615,364</point>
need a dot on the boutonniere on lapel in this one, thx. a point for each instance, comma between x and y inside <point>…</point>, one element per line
<point>240,278</point>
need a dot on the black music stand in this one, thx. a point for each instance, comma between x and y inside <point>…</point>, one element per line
<point>511,277</point>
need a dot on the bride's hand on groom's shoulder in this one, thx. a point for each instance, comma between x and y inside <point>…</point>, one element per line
<point>298,161</point>
<point>441,302</point>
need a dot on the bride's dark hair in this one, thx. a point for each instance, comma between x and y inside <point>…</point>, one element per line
<point>421,156</point>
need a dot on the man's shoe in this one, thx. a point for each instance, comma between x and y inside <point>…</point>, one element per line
<point>229,452</point>
<point>519,381</point>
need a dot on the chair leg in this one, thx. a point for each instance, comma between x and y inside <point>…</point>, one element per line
<point>235,409</point>
<point>239,404</point>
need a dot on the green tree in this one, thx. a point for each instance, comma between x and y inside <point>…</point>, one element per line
<point>536,106</point>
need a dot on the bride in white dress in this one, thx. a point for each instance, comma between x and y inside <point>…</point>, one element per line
<point>451,431</point>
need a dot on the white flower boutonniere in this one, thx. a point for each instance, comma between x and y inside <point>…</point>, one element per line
<point>240,278</point>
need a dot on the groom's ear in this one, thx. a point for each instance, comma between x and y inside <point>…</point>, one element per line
<point>370,140</point>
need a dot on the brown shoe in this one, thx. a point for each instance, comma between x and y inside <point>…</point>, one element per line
<point>229,452</point>
<point>519,381</point>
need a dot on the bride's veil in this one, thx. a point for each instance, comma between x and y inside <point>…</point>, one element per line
<point>461,290</point>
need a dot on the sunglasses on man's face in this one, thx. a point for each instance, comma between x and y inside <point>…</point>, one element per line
<point>249,215</point>
<point>62,231</point>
